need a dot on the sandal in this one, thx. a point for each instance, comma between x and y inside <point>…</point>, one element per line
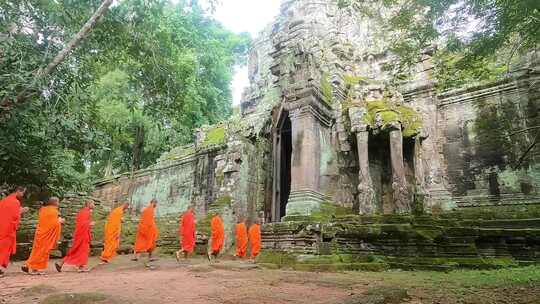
<point>58,267</point>
<point>25,269</point>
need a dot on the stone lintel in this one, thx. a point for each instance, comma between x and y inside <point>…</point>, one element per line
<point>313,106</point>
<point>305,202</point>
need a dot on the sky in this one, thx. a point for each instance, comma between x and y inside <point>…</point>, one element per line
<point>245,16</point>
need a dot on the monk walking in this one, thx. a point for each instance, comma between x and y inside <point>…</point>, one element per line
<point>111,234</point>
<point>255,239</point>
<point>147,232</point>
<point>80,248</point>
<point>46,237</point>
<point>241,239</point>
<point>188,234</point>
<point>10,216</point>
<point>217,237</point>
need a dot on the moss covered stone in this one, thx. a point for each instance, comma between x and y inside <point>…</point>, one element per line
<point>382,113</point>
<point>214,136</point>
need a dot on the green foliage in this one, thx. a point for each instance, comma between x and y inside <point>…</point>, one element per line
<point>476,40</point>
<point>149,73</point>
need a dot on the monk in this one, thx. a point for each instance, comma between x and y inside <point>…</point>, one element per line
<point>217,237</point>
<point>241,239</point>
<point>187,234</point>
<point>46,237</point>
<point>255,239</point>
<point>80,248</point>
<point>10,215</point>
<point>147,232</point>
<point>111,234</point>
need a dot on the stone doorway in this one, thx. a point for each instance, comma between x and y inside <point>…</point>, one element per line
<point>282,166</point>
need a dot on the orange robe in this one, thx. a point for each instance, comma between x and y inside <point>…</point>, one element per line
<point>255,239</point>
<point>147,232</point>
<point>10,215</point>
<point>111,234</point>
<point>80,248</point>
<point>47,235</point>
<point>187,231</point>
<point>218,234</point>
<point>241,240</point>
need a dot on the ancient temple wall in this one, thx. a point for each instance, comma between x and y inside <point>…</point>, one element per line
<point>486,131</point>
<point>175,186</point>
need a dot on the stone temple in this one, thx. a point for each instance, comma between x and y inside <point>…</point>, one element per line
<point>347,157</point>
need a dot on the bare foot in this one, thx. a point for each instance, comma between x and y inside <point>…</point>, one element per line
<point>25,269</point>
<point>177,255</point>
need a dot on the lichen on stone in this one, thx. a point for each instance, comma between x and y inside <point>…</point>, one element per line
<point>214,136</point>
<point>382,113</point>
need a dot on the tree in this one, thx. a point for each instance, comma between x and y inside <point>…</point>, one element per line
<point>476,39</point>
<point>137,86</point>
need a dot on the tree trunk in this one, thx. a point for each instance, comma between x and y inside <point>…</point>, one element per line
<point>74,43</point>
<point>76,40</point>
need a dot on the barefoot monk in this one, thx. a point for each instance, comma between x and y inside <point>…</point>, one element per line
<point>147,232</point>
<point>217,236</point>
<point>82,236</point>
<point>46,237</point>
<point>111,234</point>
<point>10,216</point>
<point>187,234</point>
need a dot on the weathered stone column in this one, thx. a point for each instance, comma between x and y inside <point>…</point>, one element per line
<point>305,197</point>
<point>419,187</point>
<point>402,202</point>
<point>366,193</point>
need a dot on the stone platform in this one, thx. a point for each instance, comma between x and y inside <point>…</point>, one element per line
<point>476,238</point>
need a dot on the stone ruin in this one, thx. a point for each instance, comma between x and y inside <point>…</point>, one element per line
<point>346,164</point>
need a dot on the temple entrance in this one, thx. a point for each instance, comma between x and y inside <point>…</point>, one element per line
<point>282,167</point>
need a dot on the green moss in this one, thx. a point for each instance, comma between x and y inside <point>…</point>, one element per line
<point>277,258</point>
<point>388,113</point>
<point>327,89</point>
<point>410,120</point>
<point>214,136</point>
<point>350,81</point>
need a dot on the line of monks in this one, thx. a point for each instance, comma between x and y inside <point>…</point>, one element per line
<point>49,228</point>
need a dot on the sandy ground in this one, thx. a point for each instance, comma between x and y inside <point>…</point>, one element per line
<point>198,282</point>
<point>169,282</point>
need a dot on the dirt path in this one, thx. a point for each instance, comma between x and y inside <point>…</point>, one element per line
<point>232,282</point>
<point>195,282</point>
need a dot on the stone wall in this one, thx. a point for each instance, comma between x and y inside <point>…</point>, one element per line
<point>229,177</point>
<point>488,139</point>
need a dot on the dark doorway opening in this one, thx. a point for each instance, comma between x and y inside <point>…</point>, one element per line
<point>381,170</point>
<point>285,165</point>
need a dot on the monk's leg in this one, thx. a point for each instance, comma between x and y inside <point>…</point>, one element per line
<point>135,256</point>
<point>150,258</point>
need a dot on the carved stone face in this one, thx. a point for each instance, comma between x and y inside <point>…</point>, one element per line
<point>374,92</point>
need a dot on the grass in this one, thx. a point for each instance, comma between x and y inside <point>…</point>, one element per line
<point>38,290</point>
<point>77,298</point>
